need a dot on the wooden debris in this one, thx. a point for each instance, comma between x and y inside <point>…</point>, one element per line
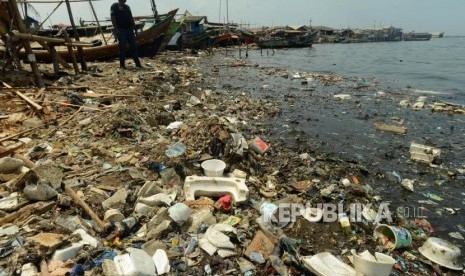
<point>19,133</point>
<point>83,204</point>
<point>29,100</point>
<point>9,150</point>
<point>97,95</point>
<point>71,117</point>
<point>49,39</point>
<point>391,128</point>
<point>27,162</point>
<point>65,121</point>
<point>35,208</point>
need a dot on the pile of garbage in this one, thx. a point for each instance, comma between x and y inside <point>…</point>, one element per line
<point>159,174</point>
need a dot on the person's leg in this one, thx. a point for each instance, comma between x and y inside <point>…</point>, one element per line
<point>133,48</point>
<point>123,40</point>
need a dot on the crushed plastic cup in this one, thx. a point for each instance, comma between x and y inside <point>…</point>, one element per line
<point>213,167</point>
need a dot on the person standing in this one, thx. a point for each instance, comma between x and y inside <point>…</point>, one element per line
<point>124,28</point>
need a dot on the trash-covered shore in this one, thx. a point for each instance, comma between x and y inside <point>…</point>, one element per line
<point>101,174</point>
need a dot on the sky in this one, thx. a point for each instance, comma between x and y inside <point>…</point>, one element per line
<point>411,15</point>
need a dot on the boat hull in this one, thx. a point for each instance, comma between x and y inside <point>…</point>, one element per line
<point>146,38</point>
<point>301,41</point>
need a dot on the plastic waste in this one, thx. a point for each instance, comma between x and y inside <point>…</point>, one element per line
<point>10,246</point>
<point>224,203</point>
<point>432,196</point>
<point>162,263</point>
<point>175,150</point>
<point>270,213</point>
<point>179,213</point>
<point>345,224</point>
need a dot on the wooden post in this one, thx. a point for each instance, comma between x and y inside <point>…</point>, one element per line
<point>98,23</point>
<point>71,51</point>
<point>59,58</point>
<point>27,45</point>
<point>53,52</point>
<point>76,37</point>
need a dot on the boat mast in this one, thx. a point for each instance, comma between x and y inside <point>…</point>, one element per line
<point>98,23</point>
<point>219,13</point>
<point>154,9</point>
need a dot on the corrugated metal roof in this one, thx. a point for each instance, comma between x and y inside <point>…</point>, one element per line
<point>195,18</point>
<point>323,28</point>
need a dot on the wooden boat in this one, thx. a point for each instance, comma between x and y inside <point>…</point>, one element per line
<point>198,41</point>
<point>247,37</point>
<point>174,28</point>
<point>289,41</point>
<point>145,38</point>
<point>225,39</point>
<point>417,36</point>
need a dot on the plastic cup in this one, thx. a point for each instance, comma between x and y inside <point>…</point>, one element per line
<point>393,237</point>
<point>213,167</point>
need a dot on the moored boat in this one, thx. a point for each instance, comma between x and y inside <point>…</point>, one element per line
<point>289,41</point>
<point>412,36</point>
<point>437,35</point>
<point>144,39</point>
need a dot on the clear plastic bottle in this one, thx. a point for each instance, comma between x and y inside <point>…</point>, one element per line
<point>264,223</point>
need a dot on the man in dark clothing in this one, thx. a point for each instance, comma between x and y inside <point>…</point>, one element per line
<point>124,27</point>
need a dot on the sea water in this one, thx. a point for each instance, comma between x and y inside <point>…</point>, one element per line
<point>437,65</point>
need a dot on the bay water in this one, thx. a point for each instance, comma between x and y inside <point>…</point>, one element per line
<point>437,65</point>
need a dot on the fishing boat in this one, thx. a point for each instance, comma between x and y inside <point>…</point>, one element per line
<point>146,38</point>
<point>173,34</point>
<point>287,41</point>
<point>246,37</point>
<point>227,38</point>
<point>194,33</point>
<point>437,35</point>
<point>412,36</point>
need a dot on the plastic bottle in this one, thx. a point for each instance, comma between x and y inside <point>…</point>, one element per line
<point>345,224</point>
<point>268,210</point>
<point>433,196</point>
<point>265,224</point>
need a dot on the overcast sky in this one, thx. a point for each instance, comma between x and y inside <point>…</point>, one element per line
<point>411,15</point>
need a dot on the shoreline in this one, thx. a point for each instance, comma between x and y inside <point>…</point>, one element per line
<point>130,134</point>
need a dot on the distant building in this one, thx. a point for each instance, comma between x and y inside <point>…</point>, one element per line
<point>194,24</point>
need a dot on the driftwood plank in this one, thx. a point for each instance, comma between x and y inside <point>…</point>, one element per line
<point>29,100</point>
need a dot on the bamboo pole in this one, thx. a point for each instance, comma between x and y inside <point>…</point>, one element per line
<point>42,23</point>
<point>27,45</point>
<point>76,37</point>
<point>98,23</point>
<point>39,38</point>
<point>59,58</point>
<point>53,52</point>
<point>71,51</point>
